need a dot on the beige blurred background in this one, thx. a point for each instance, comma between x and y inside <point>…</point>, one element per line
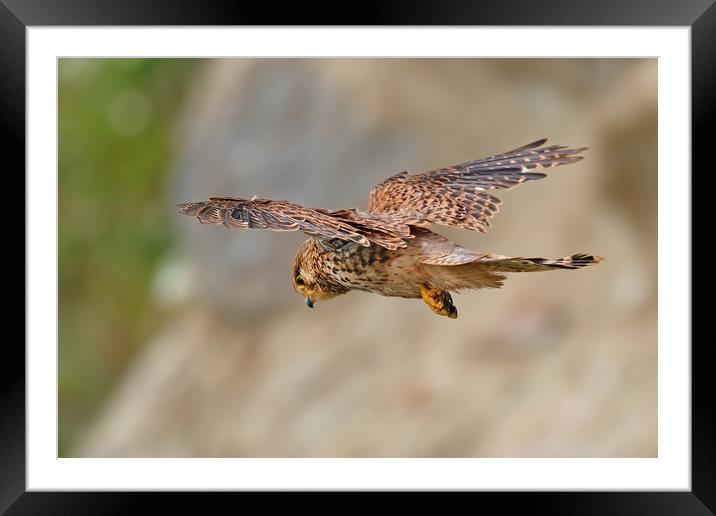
<point>182,340</point>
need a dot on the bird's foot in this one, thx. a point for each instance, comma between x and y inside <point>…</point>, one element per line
<point>439,301</point>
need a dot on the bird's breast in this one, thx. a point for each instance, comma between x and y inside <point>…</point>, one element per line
<point>376,269</point>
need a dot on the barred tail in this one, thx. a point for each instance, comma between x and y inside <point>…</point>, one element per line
<point>459,271</point>
<point>576,261</point>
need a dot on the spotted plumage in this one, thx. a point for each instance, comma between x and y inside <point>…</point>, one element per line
<point>389,249</point>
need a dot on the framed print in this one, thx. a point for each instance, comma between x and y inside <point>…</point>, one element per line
<point>163,354</point>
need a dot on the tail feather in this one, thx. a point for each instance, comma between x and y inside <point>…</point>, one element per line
<point>459,271</point>
<point>575,261</point>
<point>454,268</point>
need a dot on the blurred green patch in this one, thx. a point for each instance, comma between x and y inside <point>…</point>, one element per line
<point>116,125</point>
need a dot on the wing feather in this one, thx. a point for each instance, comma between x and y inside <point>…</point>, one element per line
<point>458,195</point>
<point>349,225</point>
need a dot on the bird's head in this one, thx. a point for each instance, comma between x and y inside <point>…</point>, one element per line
<point>311,278</point>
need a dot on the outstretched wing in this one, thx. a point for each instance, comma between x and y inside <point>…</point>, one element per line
<point>363,229</point>
<point>458,195</point>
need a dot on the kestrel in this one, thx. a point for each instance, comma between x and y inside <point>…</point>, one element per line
<point>389,249</point>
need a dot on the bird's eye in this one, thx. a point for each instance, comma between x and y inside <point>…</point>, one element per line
<point>300,282</point>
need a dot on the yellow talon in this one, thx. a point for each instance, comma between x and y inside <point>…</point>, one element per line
<point>439,301</point>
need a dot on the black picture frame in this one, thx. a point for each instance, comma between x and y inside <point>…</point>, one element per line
<point>700,15</point>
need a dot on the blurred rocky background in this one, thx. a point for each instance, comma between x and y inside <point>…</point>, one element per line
<point>182,340</point>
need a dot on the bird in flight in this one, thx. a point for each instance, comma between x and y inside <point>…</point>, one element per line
<point>389,249</point>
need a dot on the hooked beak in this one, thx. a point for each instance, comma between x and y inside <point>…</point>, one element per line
<point>309,302</point>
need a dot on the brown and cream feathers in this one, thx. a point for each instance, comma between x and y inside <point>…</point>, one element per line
<point>389,249</point>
